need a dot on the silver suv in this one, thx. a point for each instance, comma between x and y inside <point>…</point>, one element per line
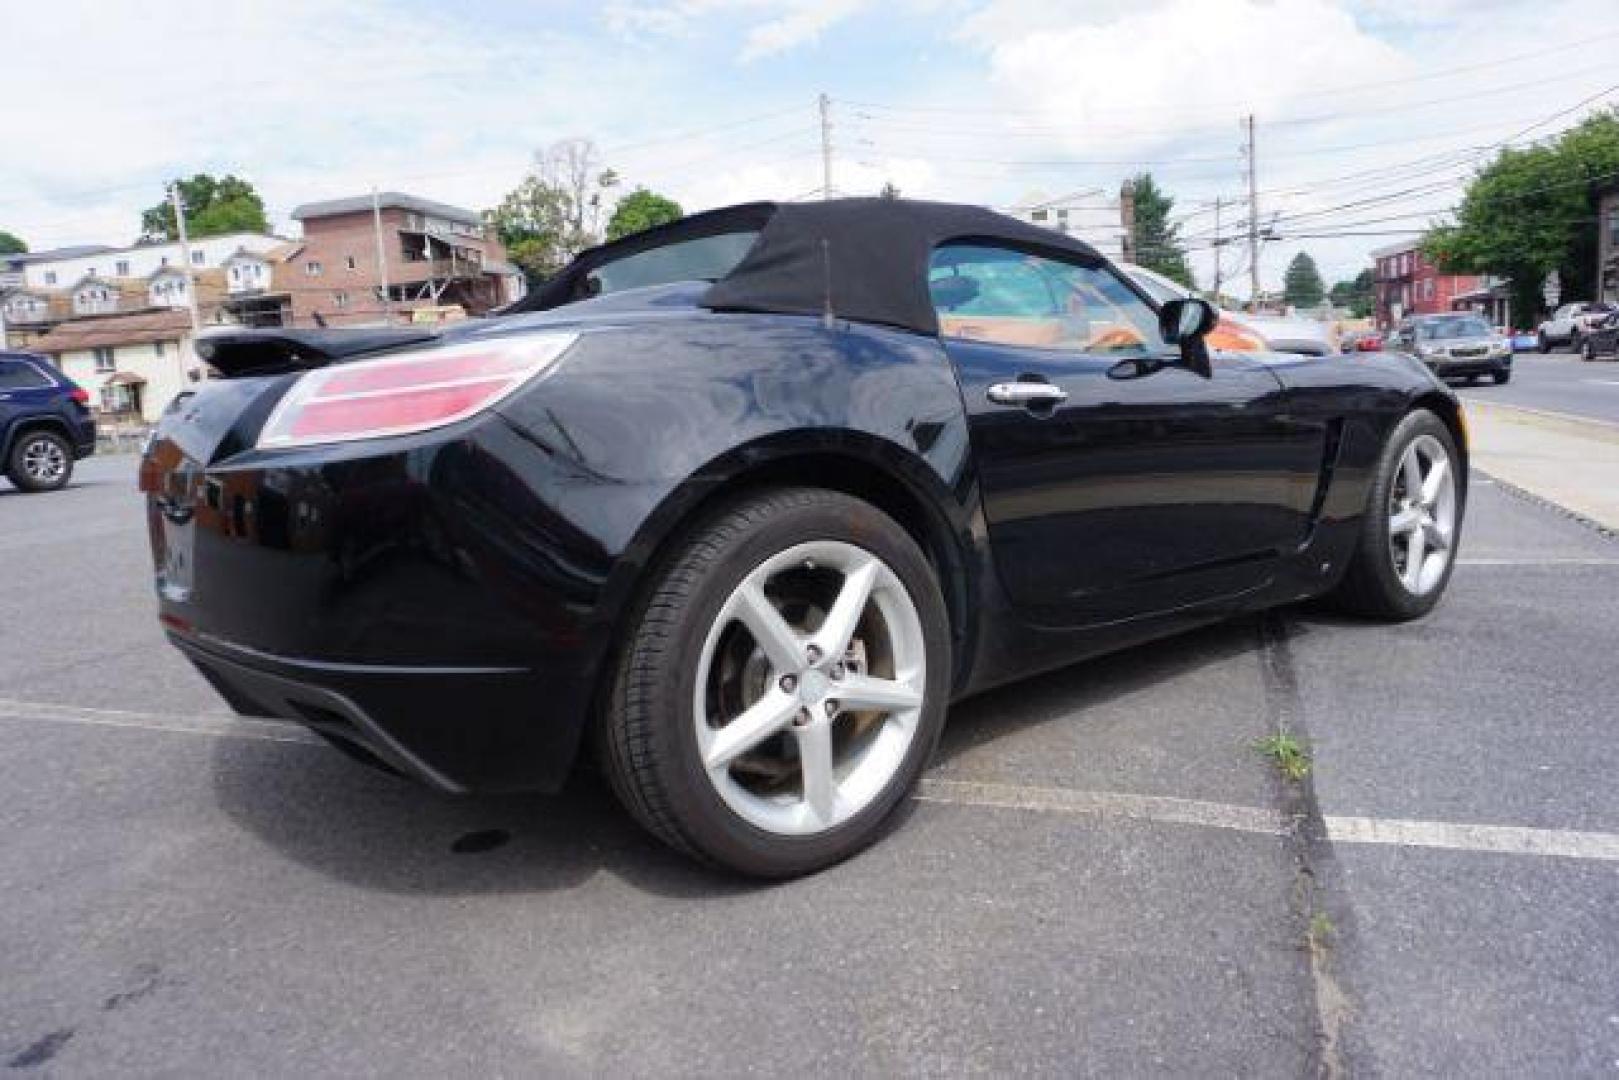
<point>1461,345</point>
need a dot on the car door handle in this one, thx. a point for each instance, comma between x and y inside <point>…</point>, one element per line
<point>1027,393</point>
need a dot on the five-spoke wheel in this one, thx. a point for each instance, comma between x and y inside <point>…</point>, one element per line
<point>1412,524</point>
<point>784,686</point>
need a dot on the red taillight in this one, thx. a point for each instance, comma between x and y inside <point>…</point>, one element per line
<point>79,394</point>
<point>407,392</point>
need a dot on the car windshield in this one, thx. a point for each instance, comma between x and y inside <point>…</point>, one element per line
<point>1465,326</point>
<point>705,258</point>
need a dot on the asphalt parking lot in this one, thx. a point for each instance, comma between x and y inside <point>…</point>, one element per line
<point>1101,876</point>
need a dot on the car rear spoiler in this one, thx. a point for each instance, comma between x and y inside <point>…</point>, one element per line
<point>238,353</point>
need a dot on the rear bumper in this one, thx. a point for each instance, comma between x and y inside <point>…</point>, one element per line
<point>445,727</point>
<point>422,604</point>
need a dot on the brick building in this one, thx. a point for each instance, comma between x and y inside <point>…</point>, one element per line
<point>434,255</point>
<point>1406,283</point>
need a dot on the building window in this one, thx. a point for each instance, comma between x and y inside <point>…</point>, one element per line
<point>350,263</point>
<point>157,349</point>
<point>50,277</point>
<point>197,258</point>
<point>1427,289</point>
<point>1038,215</point>
<point>104,359</point>
<point>312,268</point>
<point>341,299</point>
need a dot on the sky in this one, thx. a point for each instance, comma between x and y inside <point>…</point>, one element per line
<point>1369,114</point>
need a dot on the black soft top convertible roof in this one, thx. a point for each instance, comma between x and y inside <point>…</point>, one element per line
<point>859,259</point>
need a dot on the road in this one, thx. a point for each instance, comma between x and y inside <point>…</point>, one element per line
<point>1558,382</point>
<point>1101,876</point>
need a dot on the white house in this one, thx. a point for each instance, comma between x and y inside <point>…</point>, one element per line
<point>132,365</point>
<point>1092,216</point>
<point>142,260</point>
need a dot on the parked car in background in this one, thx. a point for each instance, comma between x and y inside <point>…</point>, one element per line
<point>743,502</point>
<point>1361,341</point>
<point>1240,331</point>
<point>1601,340</point>
<point>1460,345</point>
<point>45,422</point>
<point>1567,323</point>
<point>1524,340</point>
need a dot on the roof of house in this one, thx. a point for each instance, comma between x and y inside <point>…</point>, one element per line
<point>142,327</point>
<point>386,200</point>
<point>75,252</point>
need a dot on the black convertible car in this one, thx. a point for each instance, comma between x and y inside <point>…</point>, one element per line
<point>747,500</point>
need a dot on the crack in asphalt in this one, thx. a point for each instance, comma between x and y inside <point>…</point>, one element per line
<point>1316,872</point>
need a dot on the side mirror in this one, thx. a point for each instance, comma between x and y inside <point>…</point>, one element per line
<point>1186,323</point>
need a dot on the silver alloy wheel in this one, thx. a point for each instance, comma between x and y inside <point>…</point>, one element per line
<point>1422,515</point>
<point>44,461</point>
<point>810,688</point>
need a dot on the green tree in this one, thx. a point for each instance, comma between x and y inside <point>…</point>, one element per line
<point>1155,239</point>
<point>556,211</point>
<point>11,244</point>
<point>1302,286</point>
<point>1530,211</point>
<point>1356,295</point>
<point>532,223</point>
<point>213,207</point>
<point>640,210</point>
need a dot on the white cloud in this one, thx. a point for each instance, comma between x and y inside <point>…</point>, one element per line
<point>767,27</point>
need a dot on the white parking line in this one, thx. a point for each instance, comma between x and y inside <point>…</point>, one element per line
<point>1453,836</point>
<point>1211,815</point>
<point>217,727</point>
<point>1538,562</point>
<point>1504,839</point>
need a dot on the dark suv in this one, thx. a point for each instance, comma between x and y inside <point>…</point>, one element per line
<point>45,422</point>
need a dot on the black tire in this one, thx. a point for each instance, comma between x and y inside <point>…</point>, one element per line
<point>1370,587</point>
<point>1502,377</point>
<point>25,450</point>
<point>1544,345</point>
<point>1587,352</point>
<point>644,738</point>
<point>1574,342</point>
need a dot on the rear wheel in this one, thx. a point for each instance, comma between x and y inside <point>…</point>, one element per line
<point>784,686</point>
<point>1544,345</point>
<point>1588,351</point>
<point>1411,526</point>
<point>40,461</point>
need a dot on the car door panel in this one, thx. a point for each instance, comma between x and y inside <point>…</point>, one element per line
<point>1116,482</point>
<point>1148,489</point>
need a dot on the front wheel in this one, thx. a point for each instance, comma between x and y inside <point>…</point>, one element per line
<point>783,686</point>
<point>1502,377</point>
<point>1542,343</point>
<point>1588,352</point>
<point>40,461</point>
<point>1411,526</point>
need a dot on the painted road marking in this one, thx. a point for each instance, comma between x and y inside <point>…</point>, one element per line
<point>1538,562</point>
<point>1452,836</point>
<point>218,727</point>
<point>1161,808</point>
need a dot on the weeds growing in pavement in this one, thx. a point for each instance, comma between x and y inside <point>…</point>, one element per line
<point>1288,754</point>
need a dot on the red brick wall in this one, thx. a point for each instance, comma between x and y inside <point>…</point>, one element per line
<point>332,242</point>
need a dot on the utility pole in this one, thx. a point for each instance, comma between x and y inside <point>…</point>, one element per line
<point>1253,213</point>
<point>185,259</point>
<point>826,146</point>
<point>382,256</point>
<point>1218,243</point>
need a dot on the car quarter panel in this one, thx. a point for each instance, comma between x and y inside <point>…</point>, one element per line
<point>499,556</point>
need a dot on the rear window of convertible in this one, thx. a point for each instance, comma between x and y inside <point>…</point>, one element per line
<point>704,258</point>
